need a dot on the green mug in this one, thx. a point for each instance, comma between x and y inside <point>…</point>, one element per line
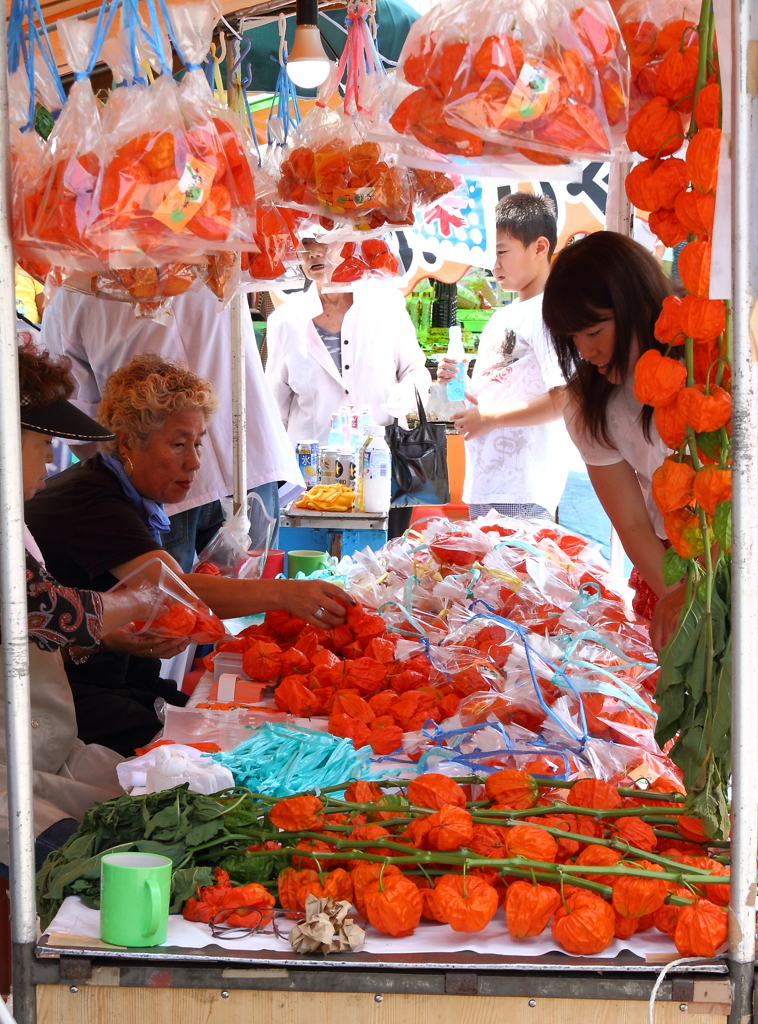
<point>305,562</point>
<point>134,898</point>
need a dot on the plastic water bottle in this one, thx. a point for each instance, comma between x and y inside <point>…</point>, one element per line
<point>456,387</point>
<point>366,419</point>
<point>336,431</point>
<point>374,473</point>
<point>347,411</point>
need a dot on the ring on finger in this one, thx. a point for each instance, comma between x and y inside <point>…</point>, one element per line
<point>320,613</point>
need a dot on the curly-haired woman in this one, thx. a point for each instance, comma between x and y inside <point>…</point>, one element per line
<point>101,519</point>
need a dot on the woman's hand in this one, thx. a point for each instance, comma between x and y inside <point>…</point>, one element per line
<point>319,603</point>
<point>144,646</point>
<point>666,617</point>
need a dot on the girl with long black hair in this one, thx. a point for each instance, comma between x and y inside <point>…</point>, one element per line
<point>602,299</point>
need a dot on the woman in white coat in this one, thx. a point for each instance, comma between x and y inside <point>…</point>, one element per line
<point>329,349</point>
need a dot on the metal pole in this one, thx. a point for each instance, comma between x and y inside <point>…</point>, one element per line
<point>618,217</point>
<point>744,142</point>
<point>239,398</point>
<point>13,621</point>
<point>237,309</point>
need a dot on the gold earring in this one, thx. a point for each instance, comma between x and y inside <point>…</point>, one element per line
<point>130,471</point>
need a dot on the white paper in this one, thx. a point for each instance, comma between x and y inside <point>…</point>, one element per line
<point>74,918</point>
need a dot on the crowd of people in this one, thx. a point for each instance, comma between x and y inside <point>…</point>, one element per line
<point>139,402</point>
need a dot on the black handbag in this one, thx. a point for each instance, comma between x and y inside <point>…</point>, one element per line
<point>419,462</point>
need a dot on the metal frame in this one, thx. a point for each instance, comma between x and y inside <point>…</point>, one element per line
<point>744,140</point>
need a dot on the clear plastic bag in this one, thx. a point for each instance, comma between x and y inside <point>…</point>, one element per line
<point>547,82</point>
<point>177,613</point>
<point>66,195</point>
<point>184,187</point>
<point>240,547</point>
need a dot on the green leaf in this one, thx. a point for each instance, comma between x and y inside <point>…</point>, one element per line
<point>204,831</point>
<point>709,444</point>
<point>722,525</point>
<point>184,883</point>
<point>674,567</point>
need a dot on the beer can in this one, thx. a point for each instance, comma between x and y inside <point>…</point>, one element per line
<point>327,458</point>
<point>344,467</point>
<point>307,460</point>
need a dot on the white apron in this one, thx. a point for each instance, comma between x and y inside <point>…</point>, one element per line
<point>69,775</point>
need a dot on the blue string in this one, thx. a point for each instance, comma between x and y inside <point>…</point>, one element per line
<point>285,96</point>
<point>47,52</point>
<point>189,65</point>
<point>155,37</point>
<point>529,650</point>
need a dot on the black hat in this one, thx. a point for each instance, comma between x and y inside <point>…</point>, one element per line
<point>62,419</point>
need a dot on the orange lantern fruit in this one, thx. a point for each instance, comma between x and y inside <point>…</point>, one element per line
<point>672,485</point>
<point>683,530</point>
<point>449,829</point>
<point>654,185</point>
<point>531,842</point>
<point>513,789</point>
<point>695,268</point>
<point>670,424</point>
<point>700,929</point>
<point>634,896</point>
<point>702,159</point>
<point>585,924</point>
<point>695,211</point>
<point>702,319</point>
<point>393,905</point>
<point>528,908</point>
<point>435,792</point>
<point>599,856</point>
<point>594,793</point>
<point>705,412</point>
<point>712,486</point>
<point>665,224</point>
<point>708,106</point>
<point>466,902</point>
<point>668,327</point>
<point>655,130</point>
<point>298,814</point>
<point>677,74</point>
<point>657,378</point>
<point>637,833</point>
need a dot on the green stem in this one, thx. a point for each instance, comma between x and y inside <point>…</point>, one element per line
<point>704,32</point>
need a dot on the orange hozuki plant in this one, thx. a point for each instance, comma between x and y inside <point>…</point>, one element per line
<point>687,380</point>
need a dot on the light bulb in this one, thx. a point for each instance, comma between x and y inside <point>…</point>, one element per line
<point>308,65</point>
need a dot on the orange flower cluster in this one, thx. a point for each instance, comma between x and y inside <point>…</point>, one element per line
<point>479,84</point>
<point>443,819</point>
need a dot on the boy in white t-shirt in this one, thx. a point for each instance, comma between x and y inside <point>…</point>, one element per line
<point>516,441</point>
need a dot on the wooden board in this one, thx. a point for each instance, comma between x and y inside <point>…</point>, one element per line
<point>102,1004</point>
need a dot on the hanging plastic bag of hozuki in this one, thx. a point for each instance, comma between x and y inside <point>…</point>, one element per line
<point>170,193</point>
<point>374,259</point>
<point>330,168</point>
<point>662,40</point>
<point>63,204</point>
<point>548,80</point>
<point>27,149</point>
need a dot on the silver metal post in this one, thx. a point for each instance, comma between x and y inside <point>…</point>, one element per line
<point>13,614</point>
<point>239,399</point>
<point>744,142</point>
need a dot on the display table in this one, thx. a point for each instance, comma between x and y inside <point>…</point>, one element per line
<point>338,533</point>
